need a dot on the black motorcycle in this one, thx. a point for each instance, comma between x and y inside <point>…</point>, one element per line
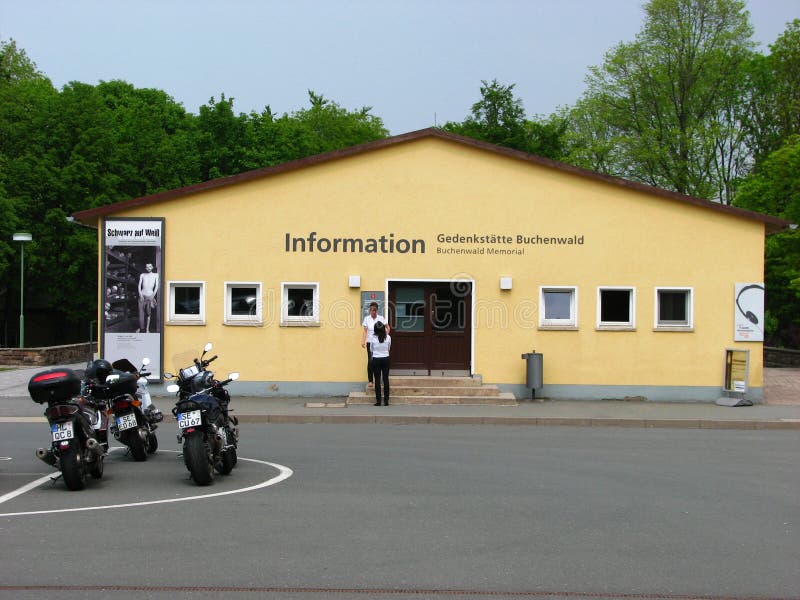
<point>209,434</point>
<point>135,418</point>
<point>78,426</point>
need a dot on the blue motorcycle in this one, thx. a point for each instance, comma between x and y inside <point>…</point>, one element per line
<point>207,430</point>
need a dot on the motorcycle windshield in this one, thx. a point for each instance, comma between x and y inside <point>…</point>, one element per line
<point>123,364</point>
<point>185,359</point>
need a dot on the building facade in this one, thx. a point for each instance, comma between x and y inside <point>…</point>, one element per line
<point>476,255</point>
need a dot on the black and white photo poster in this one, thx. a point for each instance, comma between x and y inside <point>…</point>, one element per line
<point>132,291</point>
<point>749,312</point>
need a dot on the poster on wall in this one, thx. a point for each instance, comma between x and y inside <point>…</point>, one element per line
<point>749,312</point>
<point>132,291</point>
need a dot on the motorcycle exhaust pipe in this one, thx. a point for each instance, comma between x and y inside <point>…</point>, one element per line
<point>46,456</point>
<point>143,435</point>
<point>94,446</point>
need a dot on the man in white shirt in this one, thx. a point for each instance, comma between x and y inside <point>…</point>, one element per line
<point>368,336</point>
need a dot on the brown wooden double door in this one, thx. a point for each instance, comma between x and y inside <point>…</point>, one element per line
<point>431,327</point>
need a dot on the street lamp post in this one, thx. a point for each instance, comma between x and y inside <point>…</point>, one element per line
<point>22,238</point>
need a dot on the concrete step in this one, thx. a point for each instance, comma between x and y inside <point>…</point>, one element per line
<point>406,390</point>
<point>418,381</point>
<point>500,399</point>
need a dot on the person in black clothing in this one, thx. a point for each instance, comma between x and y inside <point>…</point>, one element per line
<point>380,363</point>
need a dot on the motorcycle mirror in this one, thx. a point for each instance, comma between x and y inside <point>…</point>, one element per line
<point>233,376</point>
<point>145,361</point>
<point>207,347</point>
<point>112,379</point>
<point>173,388</point>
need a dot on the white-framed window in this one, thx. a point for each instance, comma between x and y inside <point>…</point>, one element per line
<point>616,308</point>
<point>299,303</point>
<point>186,303</point>
<point>558,307</point>
<point>674,310</point>
<point>243,303</point>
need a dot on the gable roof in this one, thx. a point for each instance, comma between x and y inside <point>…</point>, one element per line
<point>90,216</point>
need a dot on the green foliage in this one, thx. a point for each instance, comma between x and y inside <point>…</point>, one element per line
<point>322,127</point>
<point>663,109</point>
<point>499,118</point>
<point>771,111</point>
<point>774,189</point>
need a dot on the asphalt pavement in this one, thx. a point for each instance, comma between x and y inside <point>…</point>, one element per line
<point>779,410</point>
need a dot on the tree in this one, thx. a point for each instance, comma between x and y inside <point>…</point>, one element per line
<point>772,103</point>
<point>323,127</point>
<point>499,118</point>
<point>666,103</point>
<point>775,190</point>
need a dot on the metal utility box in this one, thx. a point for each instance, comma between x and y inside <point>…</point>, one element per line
<point>534,368</point>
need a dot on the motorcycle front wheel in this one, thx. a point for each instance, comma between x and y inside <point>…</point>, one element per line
<point>195,455</point>
<point>152,443</point>
<point>72,468</point>
<point>135,444</point>
<point>96,470</point>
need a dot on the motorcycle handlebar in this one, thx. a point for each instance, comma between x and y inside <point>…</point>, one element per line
<point>210,360</point>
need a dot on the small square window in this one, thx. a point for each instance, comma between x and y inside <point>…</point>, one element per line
<point>558,307</point>
<point>243,303</point>
<point>299,304</point>
<point>674,308</point>
<point>186,303</point>
<point>616,308</point>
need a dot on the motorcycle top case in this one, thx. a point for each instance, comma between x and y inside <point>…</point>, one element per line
<point>54,385</point>
<point>126,384</point>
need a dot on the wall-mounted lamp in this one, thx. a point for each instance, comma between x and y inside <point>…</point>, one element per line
<point>505,283</point>
<point>354,281</point>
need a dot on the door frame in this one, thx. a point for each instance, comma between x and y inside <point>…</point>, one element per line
<point>469,280</point>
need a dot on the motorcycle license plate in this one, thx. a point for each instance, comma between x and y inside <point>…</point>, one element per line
<point>126,421</point>
<point>62,431</point>
<point>189,419</point>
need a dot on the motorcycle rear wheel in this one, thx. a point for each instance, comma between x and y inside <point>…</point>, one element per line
<point>72,469</point>
<point>195,454</point>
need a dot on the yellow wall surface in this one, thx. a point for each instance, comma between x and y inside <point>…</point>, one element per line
<point>431,187</point>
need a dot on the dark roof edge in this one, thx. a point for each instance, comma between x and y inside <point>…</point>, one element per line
<point>773,224</point>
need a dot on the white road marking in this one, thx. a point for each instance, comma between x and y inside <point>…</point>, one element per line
<point>24,488</point>
<point>285,473</point>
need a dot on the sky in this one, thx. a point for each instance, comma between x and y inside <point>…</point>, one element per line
<point>417,63</point>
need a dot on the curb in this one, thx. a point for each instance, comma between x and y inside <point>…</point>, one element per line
<point>532,421</point>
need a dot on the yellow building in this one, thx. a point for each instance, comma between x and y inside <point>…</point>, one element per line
<point>477,253</point>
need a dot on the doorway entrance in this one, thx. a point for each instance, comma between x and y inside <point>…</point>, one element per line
<point>431,327</point>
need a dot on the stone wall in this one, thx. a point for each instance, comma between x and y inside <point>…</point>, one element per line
<point>781,357</point>
<point>51,355</point>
